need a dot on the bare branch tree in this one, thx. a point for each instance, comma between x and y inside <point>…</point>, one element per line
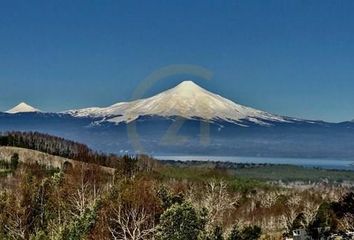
<point>217,202</point>
<point>268,199</point>
<point>85,196</point>
<point>292,211</point>
<point>130,224</point>
<point>309,211</point>
<point>16,224</point>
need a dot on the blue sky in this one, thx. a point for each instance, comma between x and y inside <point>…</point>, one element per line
<point>292,58</point>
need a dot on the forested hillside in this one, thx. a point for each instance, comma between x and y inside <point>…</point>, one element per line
<point>57,146</point>
<point>145,199</point>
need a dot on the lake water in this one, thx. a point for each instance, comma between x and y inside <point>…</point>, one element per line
<point>305,162</point>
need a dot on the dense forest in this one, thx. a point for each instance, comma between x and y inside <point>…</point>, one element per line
<point>57,146</point>
<point>145,199</point>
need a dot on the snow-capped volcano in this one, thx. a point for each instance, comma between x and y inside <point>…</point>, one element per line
<point>234,130</point>
<point>187,100</point>
<point>22,107</point>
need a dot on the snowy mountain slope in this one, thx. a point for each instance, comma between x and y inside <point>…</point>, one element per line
<point>22,107</point>
<point>283,139</point>
<point>187,100</point>
<point>234,130</point>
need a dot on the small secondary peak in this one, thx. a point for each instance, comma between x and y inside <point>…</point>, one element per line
<point>22,107</point>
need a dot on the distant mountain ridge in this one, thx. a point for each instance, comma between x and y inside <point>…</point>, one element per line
<point>231,129</point>
<point>187,100</point>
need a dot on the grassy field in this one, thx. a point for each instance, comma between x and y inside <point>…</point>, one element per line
<point>293,173</point>
<point>5,168</point>
<point>252,173</point>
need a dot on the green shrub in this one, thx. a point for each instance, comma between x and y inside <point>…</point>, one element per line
<point>180,222</point>
<point>248,233</point>
<point>217,234</point>
<point>251,233</point>
<point>14,161</point>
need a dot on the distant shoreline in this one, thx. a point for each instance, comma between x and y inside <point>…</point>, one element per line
<point>321,163</point>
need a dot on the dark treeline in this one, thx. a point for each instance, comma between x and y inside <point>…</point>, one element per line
<point>57,146</point>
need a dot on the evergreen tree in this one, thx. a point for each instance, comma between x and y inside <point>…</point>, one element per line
<point>251,233</point>
<point>235,234</point>
<point>217,234</point>
<point>180,222</point>
<point>14,161</point>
